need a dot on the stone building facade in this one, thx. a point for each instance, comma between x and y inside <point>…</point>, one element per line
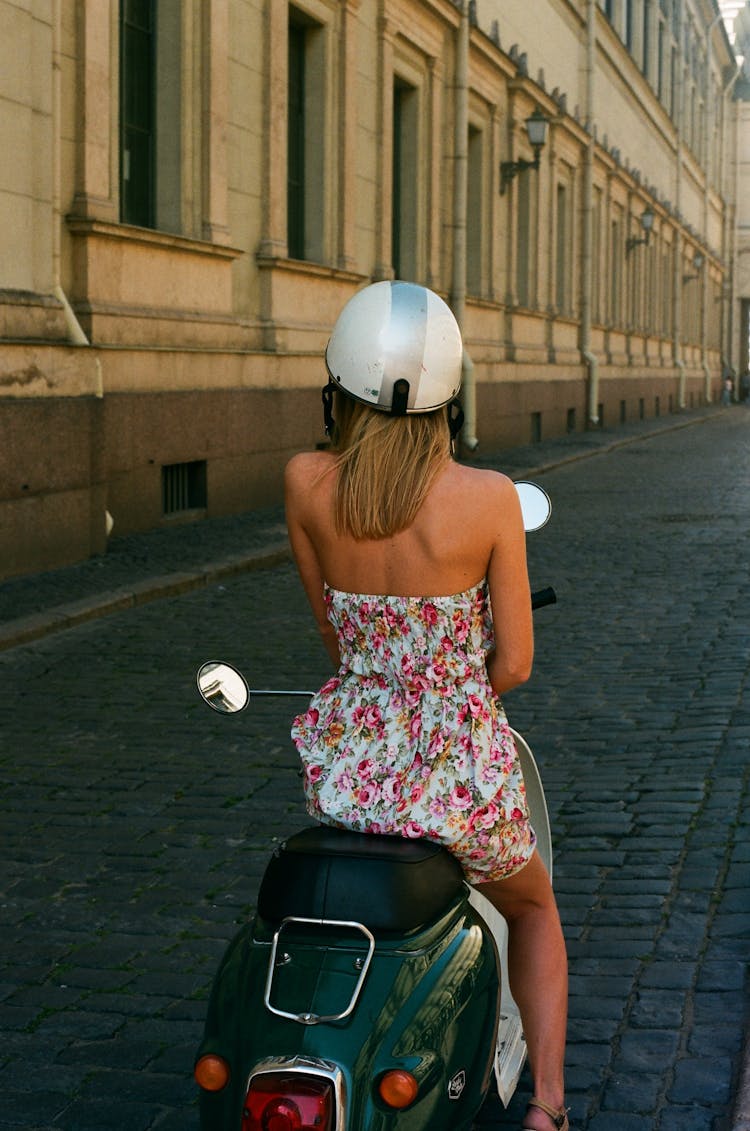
<point>191,189</point>
<point>740,290</point>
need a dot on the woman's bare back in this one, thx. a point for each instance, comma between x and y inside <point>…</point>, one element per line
<point>468,528</point>
<point>445,550</point>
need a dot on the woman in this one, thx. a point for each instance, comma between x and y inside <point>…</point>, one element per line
<point>415,568</point>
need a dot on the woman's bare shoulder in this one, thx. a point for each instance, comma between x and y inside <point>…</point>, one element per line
<point>306,468</point>
<point>487,500</point>
<point>482,480</point>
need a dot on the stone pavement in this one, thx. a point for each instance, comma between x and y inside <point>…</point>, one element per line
<point>136,824</point>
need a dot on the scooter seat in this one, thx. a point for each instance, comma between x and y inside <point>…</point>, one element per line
<point>386,883</point>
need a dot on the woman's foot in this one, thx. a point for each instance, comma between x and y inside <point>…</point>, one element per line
<point>541,1117</point>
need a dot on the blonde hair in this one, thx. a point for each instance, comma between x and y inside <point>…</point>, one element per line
<point>385,466</point>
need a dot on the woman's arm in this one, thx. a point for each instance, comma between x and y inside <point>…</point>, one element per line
<point>297,480</point>
<point>509,664</point>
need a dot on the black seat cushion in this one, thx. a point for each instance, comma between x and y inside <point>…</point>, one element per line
<point>385,882</point>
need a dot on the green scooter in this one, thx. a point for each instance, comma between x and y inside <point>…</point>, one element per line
<point>370,991</point>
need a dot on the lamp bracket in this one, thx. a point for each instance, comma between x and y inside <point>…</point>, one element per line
<point>511,169</point>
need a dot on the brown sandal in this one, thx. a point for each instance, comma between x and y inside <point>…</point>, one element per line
<point>559,1116</point>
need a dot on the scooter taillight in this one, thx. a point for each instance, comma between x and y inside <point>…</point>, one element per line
<point>288,1102</point>
<point>398,1088</point>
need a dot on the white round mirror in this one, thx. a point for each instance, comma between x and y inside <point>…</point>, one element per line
<point>222,687</point>
<point>535,505</point>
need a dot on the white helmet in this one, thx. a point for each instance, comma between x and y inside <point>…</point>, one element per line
<point>396,347</point>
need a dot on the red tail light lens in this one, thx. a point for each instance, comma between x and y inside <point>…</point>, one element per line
<point>211,1072</point>
<point>288,1102</point>
<point>398,1088</point>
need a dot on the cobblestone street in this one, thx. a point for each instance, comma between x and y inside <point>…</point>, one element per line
<point>136,823</point>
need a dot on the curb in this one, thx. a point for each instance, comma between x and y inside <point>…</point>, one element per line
<point>25,630</point>
<point>604,449</point>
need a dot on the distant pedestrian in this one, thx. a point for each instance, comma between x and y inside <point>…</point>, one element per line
<point>727,388</point>
<point>745,387</point>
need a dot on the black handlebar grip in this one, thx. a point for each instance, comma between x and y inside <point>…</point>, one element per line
<point>543,597</point>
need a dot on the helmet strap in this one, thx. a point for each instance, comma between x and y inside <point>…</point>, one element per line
<point>455,419</point>
<point>400,398</point>
<point>327,398</point>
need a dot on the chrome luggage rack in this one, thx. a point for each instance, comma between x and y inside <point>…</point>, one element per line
<point>360,964</point>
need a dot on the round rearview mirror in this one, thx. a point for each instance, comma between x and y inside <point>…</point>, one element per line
<point>222,687</point>
<point>535,505</point>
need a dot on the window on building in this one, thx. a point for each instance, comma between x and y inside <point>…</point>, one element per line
<point>475,214</point>
<point>615,282</point>
<point>632,271</point>
<point>562,260</point>
<point>404,214</point>
<point>744,333</point>
<point>667,291</point>
<point>714,325</point>
<point>646,40</point>
<point>628,21</point>
<point>717,133</point>
<point>596,255</point>
<point>648,311</point>
<point>295,197</point>
<point>305,138</point>
<point>526,246</point>
<point>137,113</point>
<point>150,114</point>
<point>660,59</point>
<point>674,8</point>
<point>655,298</point>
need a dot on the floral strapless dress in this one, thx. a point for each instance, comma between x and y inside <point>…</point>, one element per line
<point>408,737</point>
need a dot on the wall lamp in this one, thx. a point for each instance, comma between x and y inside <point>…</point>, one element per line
<point>536,128</point>
<point>647,223</point>
<point>698,261</point>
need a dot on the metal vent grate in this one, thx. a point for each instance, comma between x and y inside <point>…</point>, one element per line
<point>183,486</point>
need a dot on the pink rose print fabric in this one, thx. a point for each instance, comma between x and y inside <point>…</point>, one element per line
<point>408,737</point>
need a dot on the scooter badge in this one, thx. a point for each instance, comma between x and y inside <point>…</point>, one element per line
<point>456,1085</point>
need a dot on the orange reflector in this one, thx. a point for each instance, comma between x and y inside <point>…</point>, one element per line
<point>398,1088</point>
<point>211,1072</point>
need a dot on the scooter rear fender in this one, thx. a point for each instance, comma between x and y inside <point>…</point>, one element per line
<point>429,1004</point>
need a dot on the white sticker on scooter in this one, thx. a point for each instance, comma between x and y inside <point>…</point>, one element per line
<point>456,1085</point>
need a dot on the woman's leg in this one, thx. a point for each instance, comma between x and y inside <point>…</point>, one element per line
<point>538,973</point>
